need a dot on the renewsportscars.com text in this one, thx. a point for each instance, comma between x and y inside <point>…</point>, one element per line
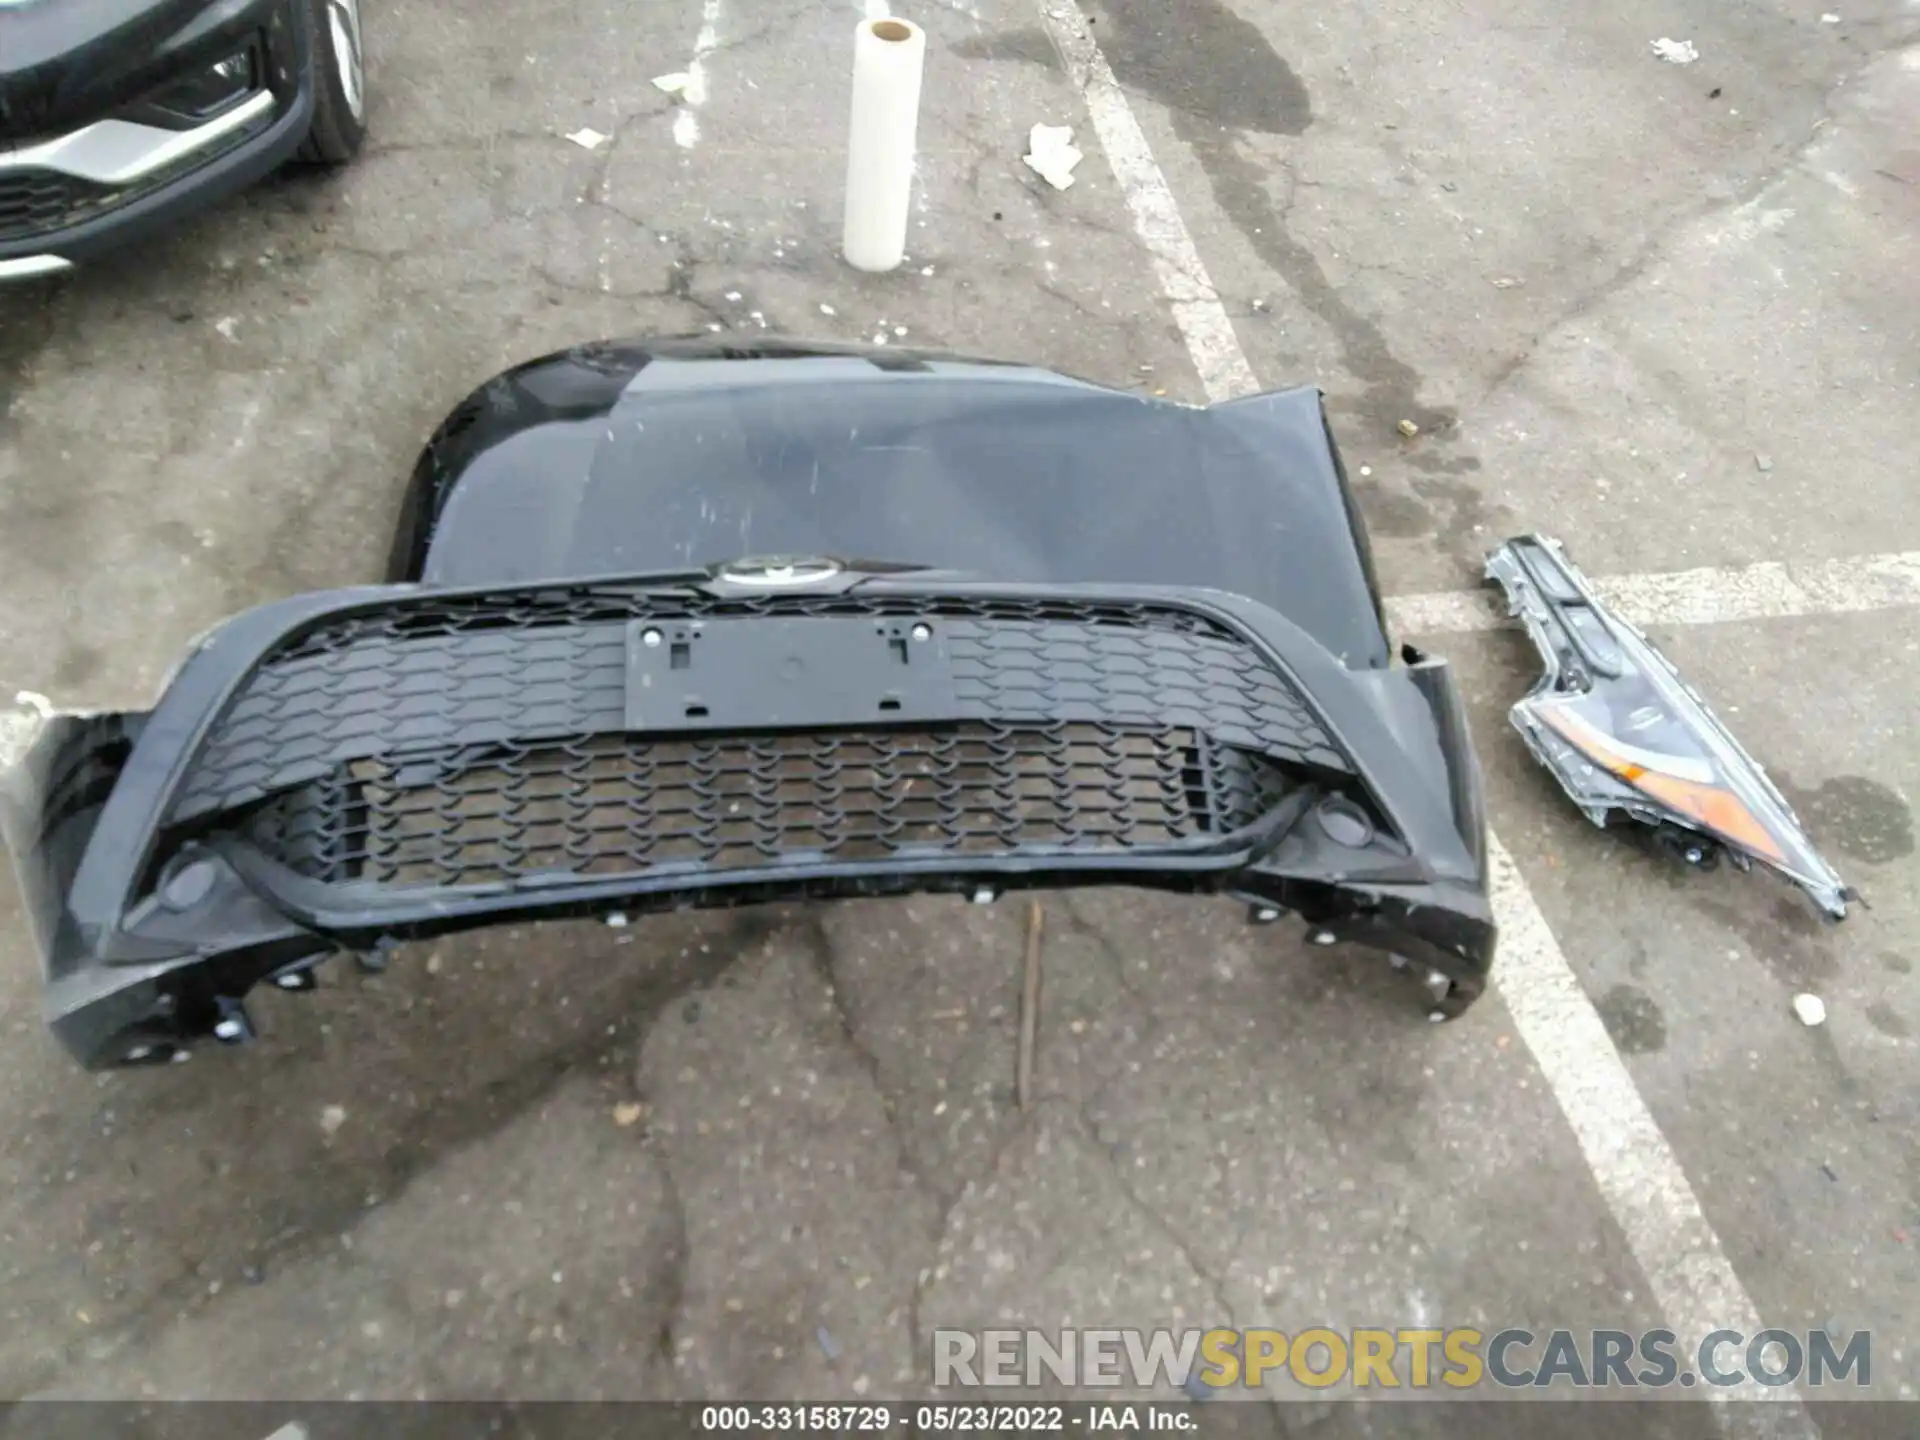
<point>1320,1358</point>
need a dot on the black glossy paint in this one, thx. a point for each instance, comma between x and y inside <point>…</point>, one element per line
<point>149,937</point>
<point>654,462</point>
<point>630,457</point>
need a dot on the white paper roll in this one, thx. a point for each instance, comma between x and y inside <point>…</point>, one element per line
<point>888,58</point>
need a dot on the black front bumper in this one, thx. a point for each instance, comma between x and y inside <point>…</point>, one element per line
<point>344,770</point>
<point>110,218</point>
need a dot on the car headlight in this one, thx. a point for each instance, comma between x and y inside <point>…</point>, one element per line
<point>1615,724</point>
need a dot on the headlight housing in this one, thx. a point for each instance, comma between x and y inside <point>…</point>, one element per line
<point>1625,735</point>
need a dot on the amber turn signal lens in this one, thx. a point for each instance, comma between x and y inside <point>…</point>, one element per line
<point>1715,808</point>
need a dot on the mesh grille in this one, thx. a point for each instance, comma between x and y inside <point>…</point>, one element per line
<point>624,805</point>
<point>599,604</point>
<point>35,202</point>
<point>530,670</point>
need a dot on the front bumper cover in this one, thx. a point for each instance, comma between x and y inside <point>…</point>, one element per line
<point>351,769</point>
<point>109,166</point>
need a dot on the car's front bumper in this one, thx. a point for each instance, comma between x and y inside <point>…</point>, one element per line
<point>71,195</point>
<point>340,771</point>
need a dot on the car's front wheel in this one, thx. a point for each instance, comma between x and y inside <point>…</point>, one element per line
<point>340,81</point>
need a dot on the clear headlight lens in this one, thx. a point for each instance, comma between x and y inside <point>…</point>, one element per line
<point>1624,734</point>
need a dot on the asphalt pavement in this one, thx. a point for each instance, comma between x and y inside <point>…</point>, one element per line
<point>1670,314</point>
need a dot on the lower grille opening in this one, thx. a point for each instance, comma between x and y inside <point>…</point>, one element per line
<point>39,201</point>
<point>35,202</point>
<point>616,804</point>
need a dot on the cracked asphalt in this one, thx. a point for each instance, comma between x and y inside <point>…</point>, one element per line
<point>765,1155</point>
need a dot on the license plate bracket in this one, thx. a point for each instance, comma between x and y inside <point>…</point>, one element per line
<point>786,673</point>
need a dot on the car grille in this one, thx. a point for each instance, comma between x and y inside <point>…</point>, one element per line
<point>578,605</point>
<point>37,202</point>
<point>443,741</point>
<point>625,805</point>
<point>450,672</point>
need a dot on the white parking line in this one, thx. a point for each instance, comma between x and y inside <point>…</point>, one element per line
<point>1183,275</point>
<point>1709,596</point>
<point>686,126</point>
<point>1633,1165</point>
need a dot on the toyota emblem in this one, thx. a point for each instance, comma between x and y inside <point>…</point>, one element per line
<point>778,572</point>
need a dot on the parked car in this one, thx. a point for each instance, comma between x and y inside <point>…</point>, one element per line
<point>120,116</point>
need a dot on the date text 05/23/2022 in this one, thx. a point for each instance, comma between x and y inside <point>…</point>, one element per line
<point>959,1418</point>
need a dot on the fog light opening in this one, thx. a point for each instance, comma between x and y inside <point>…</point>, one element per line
<point>204,93</point>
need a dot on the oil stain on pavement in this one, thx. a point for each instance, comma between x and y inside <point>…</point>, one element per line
<point>1888,1021</point>
<point>1858,816</point>
<point>1634,1019</point>
<point>1206,63</point>
<point>1789,939</point>
<point>1221,79</point>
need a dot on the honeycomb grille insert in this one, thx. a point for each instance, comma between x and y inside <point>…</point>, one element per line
<point>38,202</point>
<point>621,805</point>
<point>578,605</point>
<point>533,670</point>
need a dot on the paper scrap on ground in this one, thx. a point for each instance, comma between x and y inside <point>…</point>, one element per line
<point>588,138</point>
<point>21,725</point>
<point>1051,154</point>
<point>1811,1009</point>
<point>1675,52</point>
<point>674,84</point>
